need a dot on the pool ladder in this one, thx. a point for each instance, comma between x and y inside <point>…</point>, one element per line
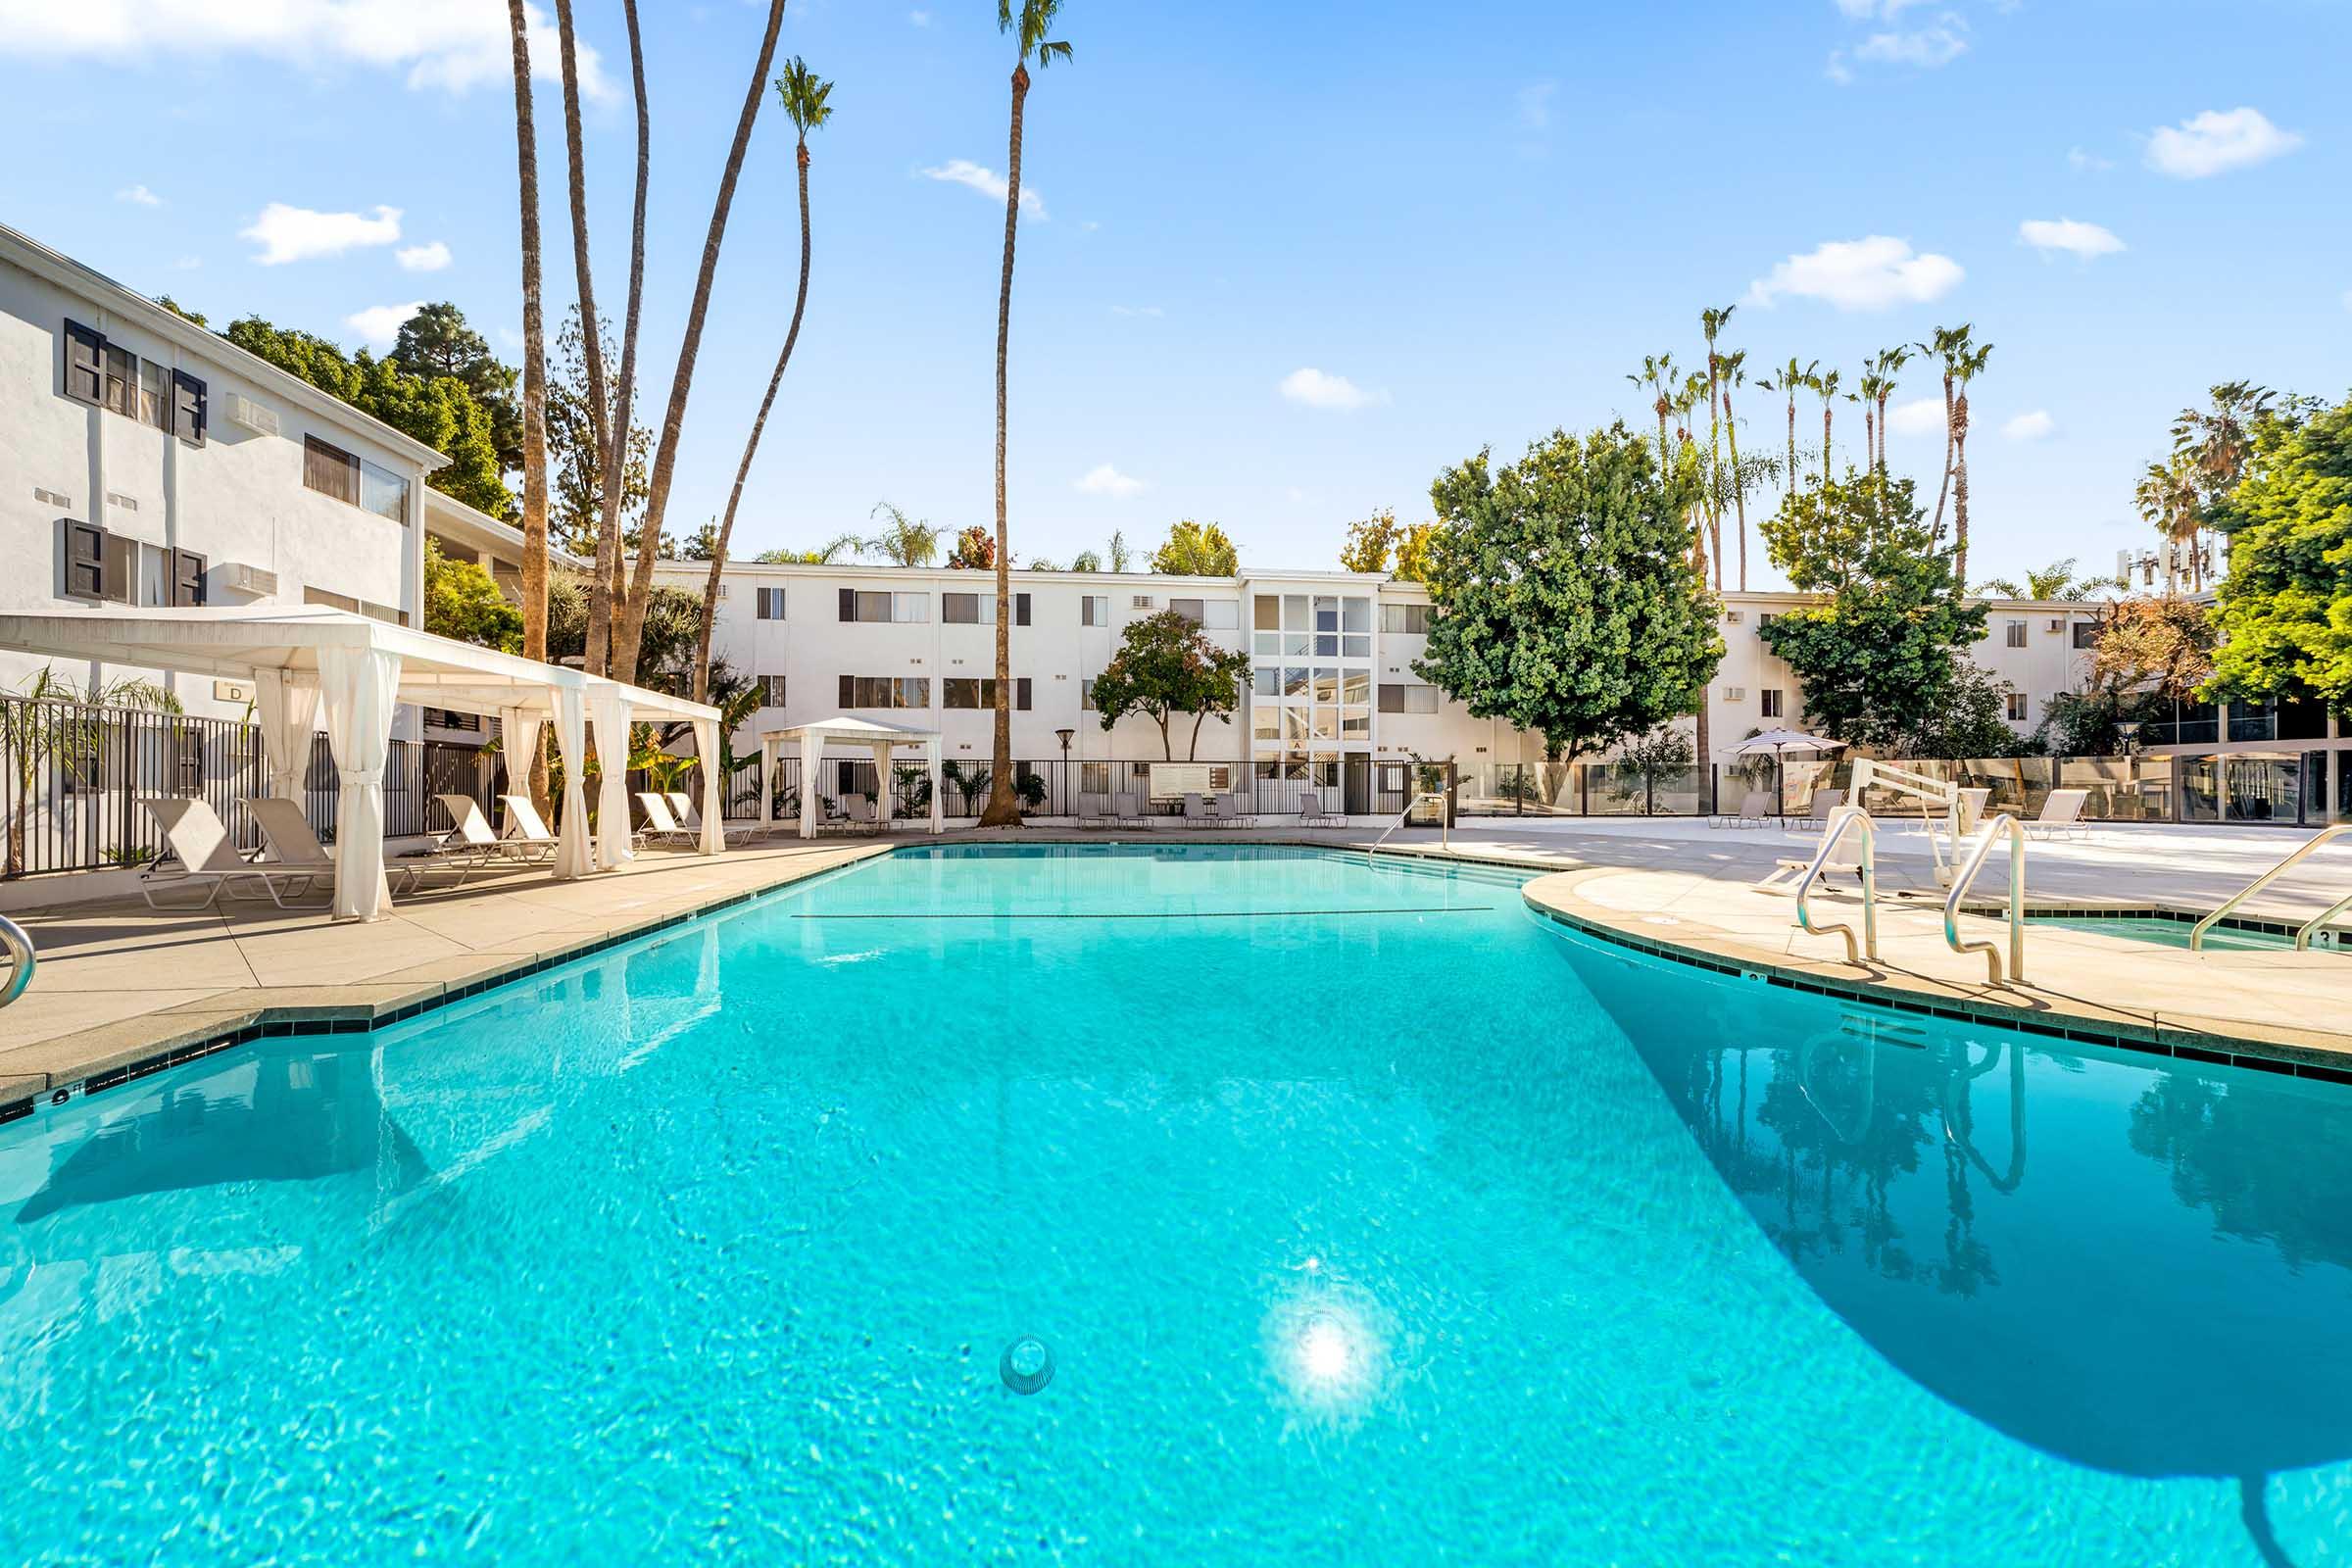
<point>13,937</point>
<point>1855,818</point>
<point>1444,832</point>
<point>2310,928</point>
<point>1832,834</point>
<point>1965,872</point>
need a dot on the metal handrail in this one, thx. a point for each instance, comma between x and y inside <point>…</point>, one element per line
<point>1840,820</point>
<point>19,944</point>
<point>1444,830</point>
<point>1967,873</point>
<point>2197,933</point>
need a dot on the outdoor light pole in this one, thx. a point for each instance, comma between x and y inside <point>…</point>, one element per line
<point>1065,736</point>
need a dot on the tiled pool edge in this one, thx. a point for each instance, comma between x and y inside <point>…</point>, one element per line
<point>218,1029</point>
<point>2154,1037</point>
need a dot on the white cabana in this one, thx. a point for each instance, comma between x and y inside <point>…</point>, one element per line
<point>849,734</point>
<point>313,665</point>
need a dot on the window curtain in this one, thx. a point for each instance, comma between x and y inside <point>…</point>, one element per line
<point>357,689</point>
<point>285,703</point>
<point>715,805</point>
<point>609,715</point>
<point>574,857</point>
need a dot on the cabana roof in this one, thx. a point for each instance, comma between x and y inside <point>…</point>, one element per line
<point>852,732</point>
<point>236,640</point>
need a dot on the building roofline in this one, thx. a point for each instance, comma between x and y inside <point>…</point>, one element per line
<point>68,274</point>
<point>1112,579</point>
<point>450,507</point>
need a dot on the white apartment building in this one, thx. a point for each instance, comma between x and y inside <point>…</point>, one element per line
<point>145,461</point>
<point>1332,694</point>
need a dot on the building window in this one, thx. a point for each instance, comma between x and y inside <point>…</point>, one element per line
<point>1409,620</point>
<point>967,610</point>
<point>770,608</point>
<point>2016,633</point>
<point>2086,634</point>
<point>1266,614</point>
<point>2016,708</point>
<point>330,470</point>
<point>1086,697</point>
<point>974,692</point>
<point>1094,610</point>
<point>771,690</point>
<point>189,405</point>
<point>1769,702</point>
<point>885,691</point>
<point>155,394</point>
<point>101,564</point>
<point>885,608</point>
<point>122,381</point>
<point>187,577</point>
<point>85,365</point>
<point>1394,698</point>
<point>386,494</point>
<point>1191,610</point>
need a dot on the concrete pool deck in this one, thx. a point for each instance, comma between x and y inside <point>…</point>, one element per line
<point>121,987</point>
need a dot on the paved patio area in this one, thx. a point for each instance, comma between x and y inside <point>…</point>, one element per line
<point>120,985</point>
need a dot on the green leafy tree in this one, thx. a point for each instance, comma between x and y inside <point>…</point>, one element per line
<point>437,411</point>
<point>1662,754</point>
<point>2285,609</point>
<point>1086,561</point>
<point>575,452</point>
<point>823,556</point>
<point>192,318</point>
<point>2053,583</point>
<point>464,601</point>
<point>1195,550</point>
<point>975,551</point>
<point>437,341</point>
<point>1878,656</point>
<point>1117,552</point>
<point>904,540</point>
<point>1380,543</point>
<point>1968,721</point>
<point>1165,666</point>
<point>1568,601</point>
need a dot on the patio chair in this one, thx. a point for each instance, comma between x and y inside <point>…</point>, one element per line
<point>690,817</point>
<point>469,845</point>
<point>659,826</point>
<point>287,839</point>
<point>1754,806</point>
<point>208,859</point>
<point>2061,816</point>
<point>1789,870</point>
<point>1824,803</point>
<point>1312,812</point>
<point>527,835</point>
<point>1972,807</point>
<point>1237,809</point>
<point>1128,811</point>
<point>1196,811</point>
<point>1093,810</point>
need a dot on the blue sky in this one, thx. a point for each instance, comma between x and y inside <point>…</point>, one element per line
<point>1465,225</point>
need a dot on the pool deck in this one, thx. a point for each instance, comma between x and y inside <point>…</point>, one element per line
<point>123,989</point>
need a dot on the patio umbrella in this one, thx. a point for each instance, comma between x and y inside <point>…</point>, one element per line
<point>1779,742</point>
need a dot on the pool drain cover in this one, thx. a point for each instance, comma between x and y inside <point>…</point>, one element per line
<point>1027,1365</point>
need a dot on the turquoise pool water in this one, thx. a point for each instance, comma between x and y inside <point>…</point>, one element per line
<point>1365,1218</point>
<point>2170,933</point>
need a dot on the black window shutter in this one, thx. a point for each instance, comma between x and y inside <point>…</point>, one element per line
<point>187,408</point>
<point>85,560</point>
<point>848,604</point>
<point>1021,612</point>
<point>187,577</point>
<point>85,364</point>
<point>848,691</point>
<point>1020,689</point>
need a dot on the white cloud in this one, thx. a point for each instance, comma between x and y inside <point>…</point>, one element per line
<point>138,195</point>
<point>2087,162</point>
<point>1837,70</point>
<point>299,234</point>
<point>187,263</point>
<point>921,19</point>
<point>422,257</point>
<point>1534,105</point>
<point>1925,48</point>
<point>1861,274</point>
<point>2081,240</point>
<point>1918,417</point>
<point>380,324</point>
<point>2029,426</point>
<point>1137,310</point>
<point>1864,10</point>
<point>988,182</point>
<point>1319,390</point>
<point>2217,142</point>
<point>1104,480</point>
<point>452,44</point>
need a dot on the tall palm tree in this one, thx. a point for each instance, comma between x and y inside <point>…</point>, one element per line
<point>1826,386</point>
<point>630,626</point>
<point>1889,364</point>
<point>804,102</point>
<point>1711,324</point>
<point>1870,395</point>
<point>1949,344</point>
<point>1657,375</point>
<point>534,353</point>
<point>2217,443</point>
<point>607,587</point>
<point>904,540</point>
<point>2167,497</point>
<point>1734,372</point>
<point>1029,27</point>
<point>1967,368</point>
<point>1788,380</point>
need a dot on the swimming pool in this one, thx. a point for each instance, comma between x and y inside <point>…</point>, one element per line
<point>2172,931</point>
<point>1363,1216</point>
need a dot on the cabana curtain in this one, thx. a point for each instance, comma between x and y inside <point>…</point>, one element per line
<point>357,688</point>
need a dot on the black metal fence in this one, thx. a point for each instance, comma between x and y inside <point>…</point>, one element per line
<point>2117,788</point>
<point>1075,787</point>
<point>71,777</point>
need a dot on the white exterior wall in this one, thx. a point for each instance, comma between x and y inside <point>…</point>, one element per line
<point>237,499</point>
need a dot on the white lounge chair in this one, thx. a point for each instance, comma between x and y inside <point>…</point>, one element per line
<point>469,845</point>
<point>1754,806</point>
<point>2061,816</point>
<point>526,833</point>
<point>1312,812</point>
<point>659,826</point>
<point>1824,803</point>
<point>690,817</point>
<point>1197,812</point>
<point>1094,811</point>
<point>1789,870</point>
<point>290,843</point>
<point>208,859</point>
<point>1235,809</point>
<point>1128,811</point>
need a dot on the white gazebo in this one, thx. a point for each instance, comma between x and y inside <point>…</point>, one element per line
<point>849,734</point>
<point>313,665</point>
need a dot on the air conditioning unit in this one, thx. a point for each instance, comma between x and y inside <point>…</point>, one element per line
<point>238,577</point>
<point>1732,617</point>
<point>243,411</point>
<point>1141,602</point>
<point>2057,623</point>
<point>1734,694</point>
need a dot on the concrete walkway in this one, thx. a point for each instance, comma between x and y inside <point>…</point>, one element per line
<point>120,985</point>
